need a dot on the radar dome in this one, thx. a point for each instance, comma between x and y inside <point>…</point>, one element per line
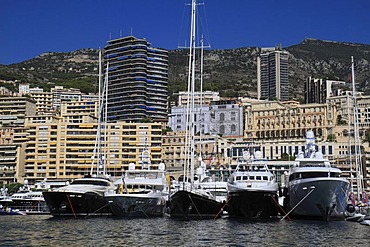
<point>310,134</point>
<point>199,171</point>
<point>300,155</point>
<point>131,166</point>
<point>161,167</point>
<point>319,155</point>
<point>258,155</point>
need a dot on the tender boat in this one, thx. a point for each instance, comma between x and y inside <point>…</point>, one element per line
<point>252,189</point>
<point>316,190</point>
<point>10,211</point>
<point>141,193</point>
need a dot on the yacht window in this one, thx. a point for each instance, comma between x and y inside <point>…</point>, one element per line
<point>251,177</point>
<point>92,182</point>
<point>258,178</point>
<point>238,178</point>
<point>245,177</point>
<point>265,178</point>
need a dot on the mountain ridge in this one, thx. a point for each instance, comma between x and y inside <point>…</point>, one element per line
<point>232,72</point>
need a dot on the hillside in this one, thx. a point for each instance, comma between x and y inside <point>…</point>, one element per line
<point>232,72</point>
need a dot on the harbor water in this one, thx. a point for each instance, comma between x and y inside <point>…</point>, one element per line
<point>44,230</point>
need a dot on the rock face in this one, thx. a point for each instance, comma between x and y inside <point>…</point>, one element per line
<point>232,72</point>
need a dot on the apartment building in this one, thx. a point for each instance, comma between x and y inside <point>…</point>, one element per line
<point>138,78</point>
<point>44,101</point>
<point>280,127</point>
<point>81,111</point>
<point>318,90</point>
<point>206,97</point>
<point>202,117</point>
<point>227,118</point>
<point>272,74</point>
<point>212,148</point>
<point>13,111</point>
<point>63,150</point>
<point>61,94</point>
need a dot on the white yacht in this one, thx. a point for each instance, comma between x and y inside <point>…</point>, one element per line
<point>315,188</point>
<point>252,189</point>
<point>141,193</point>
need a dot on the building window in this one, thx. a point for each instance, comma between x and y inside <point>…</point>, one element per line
<point>233,128</point>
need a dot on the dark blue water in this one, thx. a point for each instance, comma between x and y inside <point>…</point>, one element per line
<point>44,230</point>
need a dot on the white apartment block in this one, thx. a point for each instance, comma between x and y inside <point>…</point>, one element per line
<point>177,118</point>
<point>227,118</point>
<point>206,96</point>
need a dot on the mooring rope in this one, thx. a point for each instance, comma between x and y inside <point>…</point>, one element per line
<point>298,204</point>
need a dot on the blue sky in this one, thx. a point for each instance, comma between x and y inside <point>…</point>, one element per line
<point>31,27</point>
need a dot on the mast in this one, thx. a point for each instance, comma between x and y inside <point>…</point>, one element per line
<point>188,112</point>
<point>104,158</point>
<point>201,103</point>
<point>356,134</point>
<point>97,139</point>
<point>349,143</point>
<point>192,50</point>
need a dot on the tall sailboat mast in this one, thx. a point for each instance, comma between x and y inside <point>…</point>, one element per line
<point>356,135</point>
<point>105,119</point>
<point>192,90</point>
<point>349,143</point>
<point>201,120</point>
<point>98,129</point>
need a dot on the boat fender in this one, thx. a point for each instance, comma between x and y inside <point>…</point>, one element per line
<point>350,208</point>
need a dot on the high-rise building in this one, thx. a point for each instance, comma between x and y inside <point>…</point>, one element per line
<point>272,74</point>
<point>318,90</point>
<point>138,78</point>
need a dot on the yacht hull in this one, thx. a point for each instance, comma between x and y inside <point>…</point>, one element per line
<point>327,200</point>
<point>76,204</point>
<point>190,205</point>
<point>252,204</point>
<point>136,206</point>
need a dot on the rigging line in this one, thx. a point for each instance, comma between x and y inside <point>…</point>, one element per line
<point>98,209</point>
<point>277,204</point>
<point>142,210</point>
<point>70,204</point>
<point>182,31</point>
<point>195,206</point>
<point>298,204</point>
<point>222,209</point>
<point>206,25</point>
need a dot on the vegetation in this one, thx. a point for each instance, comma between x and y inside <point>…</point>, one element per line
<point>287,157</point>
<point>331,138</point>
<point>12,188</point>
<point>231,72</point>
<point>340,120</point>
